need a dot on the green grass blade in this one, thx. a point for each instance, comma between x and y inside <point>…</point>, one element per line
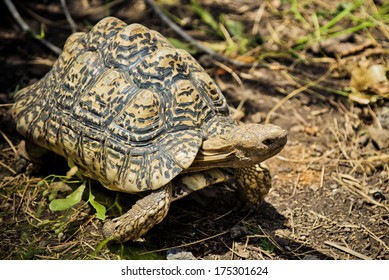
<point>297,14</point>
<point>205,16</point>
<point>346,12</point>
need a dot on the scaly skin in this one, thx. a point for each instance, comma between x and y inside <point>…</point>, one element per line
<point>144,214</point>
<point>133,112</point>
<point>254,184</point>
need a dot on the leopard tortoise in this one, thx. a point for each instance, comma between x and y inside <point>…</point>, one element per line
<point>139,115</point>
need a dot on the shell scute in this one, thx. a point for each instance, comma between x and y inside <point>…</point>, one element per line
<point>127,107</point>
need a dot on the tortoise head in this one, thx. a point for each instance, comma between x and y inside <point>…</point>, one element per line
<point>243,145</point>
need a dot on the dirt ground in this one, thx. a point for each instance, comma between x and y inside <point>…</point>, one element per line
<point>329,198</point>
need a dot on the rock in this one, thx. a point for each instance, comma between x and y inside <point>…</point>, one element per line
<point>179,254</point>
<point>383,117</point>
<point>380,137</point>
<point>314,187</point>
<point>238,231</point>
<point>310,257</point>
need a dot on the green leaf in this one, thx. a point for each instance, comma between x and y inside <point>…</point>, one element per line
<point>100,209</point>
<point>182,45</point>
<point>65,203</point>
<point>205,16</point>
<point>235,28</point>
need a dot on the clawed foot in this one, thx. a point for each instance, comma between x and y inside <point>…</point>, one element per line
<point>144,214</point>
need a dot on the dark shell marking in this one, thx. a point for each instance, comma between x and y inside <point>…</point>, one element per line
<point>125,105</point>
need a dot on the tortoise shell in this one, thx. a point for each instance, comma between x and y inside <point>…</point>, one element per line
<point>127,107</point>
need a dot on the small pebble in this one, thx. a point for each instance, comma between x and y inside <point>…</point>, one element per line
<point>237,232</point>
<point>310,257</point>
<point>178,254</point>
<point>61,236</point>
<point>314,187</point>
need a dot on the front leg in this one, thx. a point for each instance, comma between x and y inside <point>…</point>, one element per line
<point>29,157</point>
<point>144,214</point>
<point>254,183</point>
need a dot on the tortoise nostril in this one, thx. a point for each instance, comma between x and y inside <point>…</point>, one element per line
<point>268,142</point>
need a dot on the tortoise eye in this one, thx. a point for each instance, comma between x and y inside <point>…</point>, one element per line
<point>268,141</point>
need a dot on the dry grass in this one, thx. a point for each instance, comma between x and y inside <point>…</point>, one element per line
<point>330,184</point>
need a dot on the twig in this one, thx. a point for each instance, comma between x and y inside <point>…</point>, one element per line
<point>347,250</point>
<point>234,252</point>
<point>16,15</point>
<point>69,18</point>
<point>271,239</point>
<point>8,167</point>
<point>230,71</point>
<point>297,91</point>
<point>193,41</point>
<point>27,29</point>
<point>40,18</point>
<point>186,244</point>
<point>258,17</point>
<point>322,176</point>
<point>359,192</point>
<point>342,149</point>
<point>99,9</point>
<point>376,237</point>
<point>376,158</point>
<point>9,142</point>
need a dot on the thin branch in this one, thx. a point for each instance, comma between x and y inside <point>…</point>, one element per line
<point>27,29</point>
<point>347,250</point>
<point>8,167</point>
<point>17,17</point>
<point>186,244</point>
<point>376,237</point>
<point>195,42</point>
<point>69,18</point>
<point>99,9</point>
<point>297,91</point>
<point>9,142</point>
